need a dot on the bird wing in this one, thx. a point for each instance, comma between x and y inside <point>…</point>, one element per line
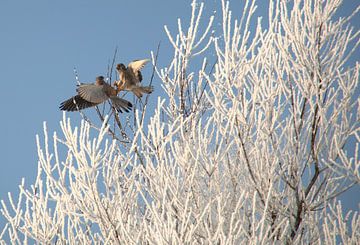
<point>120,104</point>
<point>136,66</point>
<point>92,93</point>
<point>75,103</point>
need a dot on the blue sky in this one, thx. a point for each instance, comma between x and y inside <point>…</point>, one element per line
<point>42,41</point>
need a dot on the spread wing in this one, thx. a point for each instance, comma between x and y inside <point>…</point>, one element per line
<point>75,103</point>
<point>92,93</point>
<point>136,66</point>
<point>121,104</point>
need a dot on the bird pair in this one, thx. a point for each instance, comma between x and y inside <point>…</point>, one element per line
<point>92,94</point>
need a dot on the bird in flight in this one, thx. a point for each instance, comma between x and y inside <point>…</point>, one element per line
<point>92,94</point>
<point>130,78</point>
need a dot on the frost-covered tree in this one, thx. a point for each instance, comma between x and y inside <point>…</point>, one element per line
<point>256,136</point>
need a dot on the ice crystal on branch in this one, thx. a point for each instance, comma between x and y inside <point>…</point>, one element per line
<point>253,148</point>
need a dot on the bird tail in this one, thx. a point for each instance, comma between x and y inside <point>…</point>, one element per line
<point>121,104</point>
<point>139,91</point>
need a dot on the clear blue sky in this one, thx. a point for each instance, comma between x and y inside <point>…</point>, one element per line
<point>41,41</point>
<point>40,44</point>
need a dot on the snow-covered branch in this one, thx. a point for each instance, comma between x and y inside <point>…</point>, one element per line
<point>252,146</point>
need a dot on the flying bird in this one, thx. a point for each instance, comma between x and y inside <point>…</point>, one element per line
<point>92,94</point>
<point>130,78</point>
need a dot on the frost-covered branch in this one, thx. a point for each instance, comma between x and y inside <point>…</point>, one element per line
<point>251,146</point>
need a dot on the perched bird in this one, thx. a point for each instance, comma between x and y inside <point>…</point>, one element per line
<point>131,77</point>
<point>93,94</point>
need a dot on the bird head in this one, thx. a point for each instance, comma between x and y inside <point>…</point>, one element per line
<point>120,67</point>
<point>100,80</point>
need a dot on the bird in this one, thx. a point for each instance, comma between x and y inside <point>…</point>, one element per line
<point>92,94</point>
<point>130,78</point>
